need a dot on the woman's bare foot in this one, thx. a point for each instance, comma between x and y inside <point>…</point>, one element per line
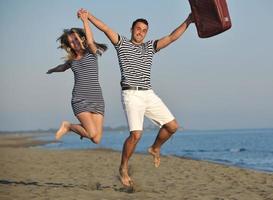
<point>125,178</point>
<point>156,156</point>
<point>64,128</point>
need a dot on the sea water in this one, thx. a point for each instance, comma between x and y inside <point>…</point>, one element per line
<point>247,148</point>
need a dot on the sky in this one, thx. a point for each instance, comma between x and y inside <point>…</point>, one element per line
<point>222,82</point>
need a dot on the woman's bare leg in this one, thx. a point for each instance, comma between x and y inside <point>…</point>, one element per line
<point>64,128</point>
<point>91,127</point>
<point>98,119</point>
<point>67,126</point>
<point>91,124</point>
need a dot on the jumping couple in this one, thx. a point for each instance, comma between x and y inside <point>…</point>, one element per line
<point>135,61</point>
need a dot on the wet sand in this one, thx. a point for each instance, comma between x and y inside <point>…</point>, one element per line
<point>29,172</point>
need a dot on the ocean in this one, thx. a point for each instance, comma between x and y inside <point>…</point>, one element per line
<point>245,148</point>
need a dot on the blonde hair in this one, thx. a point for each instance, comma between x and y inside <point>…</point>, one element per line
<point>64,44</point>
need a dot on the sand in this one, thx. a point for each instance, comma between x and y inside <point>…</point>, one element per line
<point>31,172</point>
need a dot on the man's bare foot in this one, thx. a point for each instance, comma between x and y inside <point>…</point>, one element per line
<point>125,178</point>
<point>156,156</point>
<point>64,128</point>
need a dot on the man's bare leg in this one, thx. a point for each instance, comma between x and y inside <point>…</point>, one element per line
<point>156,156</point>
<point>165,132</point>
<point>128,149</point>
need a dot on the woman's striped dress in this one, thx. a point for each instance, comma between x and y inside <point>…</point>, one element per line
<point>86,94</point>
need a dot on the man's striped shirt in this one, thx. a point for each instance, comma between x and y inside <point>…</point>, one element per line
<point>135,62</point>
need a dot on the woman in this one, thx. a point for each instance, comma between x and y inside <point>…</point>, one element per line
<point>87,100</point>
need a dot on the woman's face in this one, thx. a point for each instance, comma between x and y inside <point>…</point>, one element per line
<point>75,42</point>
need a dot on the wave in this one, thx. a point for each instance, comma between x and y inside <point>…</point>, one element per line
<point>233,150</point>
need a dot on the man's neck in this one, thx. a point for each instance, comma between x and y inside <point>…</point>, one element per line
<point>136,43</point>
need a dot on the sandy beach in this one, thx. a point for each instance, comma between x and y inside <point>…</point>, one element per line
<point>30,172</point>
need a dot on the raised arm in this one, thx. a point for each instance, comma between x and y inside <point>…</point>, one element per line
<point>112,35</point>
<point>59,68</point>
<point>83,15</point>
<point>165,41</point>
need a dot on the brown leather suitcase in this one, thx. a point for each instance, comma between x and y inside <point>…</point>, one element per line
<point>211,17</point>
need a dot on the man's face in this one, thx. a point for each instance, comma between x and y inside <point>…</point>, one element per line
<point>139,32</point>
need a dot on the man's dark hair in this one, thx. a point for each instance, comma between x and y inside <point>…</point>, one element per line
<point>140,20</point>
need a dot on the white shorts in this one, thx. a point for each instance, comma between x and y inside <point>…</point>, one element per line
<point>140,103</point>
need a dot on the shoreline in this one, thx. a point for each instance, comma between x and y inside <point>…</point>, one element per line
<point>39,173</point>
<point>19,140</point>
<point>29,139</point>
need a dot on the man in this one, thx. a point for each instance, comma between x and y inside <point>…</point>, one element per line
<point>135,60</point>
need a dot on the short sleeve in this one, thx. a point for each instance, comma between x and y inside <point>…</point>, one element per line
<point>155,46</point>
<point>120,41</point>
